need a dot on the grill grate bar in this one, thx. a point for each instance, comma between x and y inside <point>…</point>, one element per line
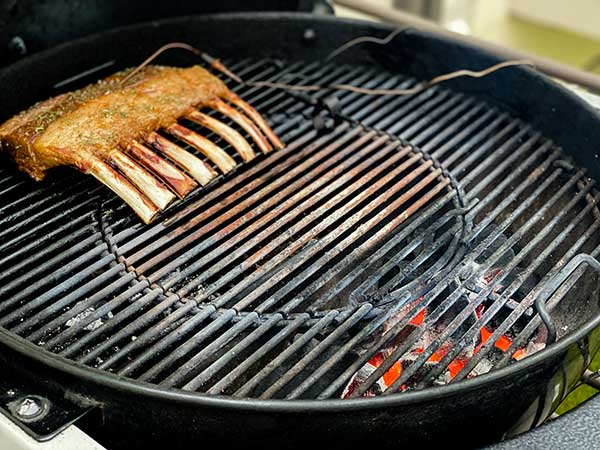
<point>358,293</point>
<point>499,154</point>
<point>371,115</point>
<point>84,305</point>
<point>37,229</point>
<point>491,140</point>
<point>59,287</point>
<point>14,201</point>
<point>7,176</point>
<point>283,220</point>
<point>470,133</point>
<point>180,374</point>
<point>376,239</point>
<point>412,110</point>
<point>149,336</point>
<point>255,358</point>
<point>12,187</point>
<point>159,347</point>
<point>20,253</point>
<point>55,275</point>
<point>449,136</point>
<point>332,337</point>
<point>165,303</point>
<point>259,69</point>
<point>62,268</point>
<point>61,205</point>
<point>195,341</point>
<point>515,192</point>
<point>428,112</point>
<point>326,158</point>
<point>290,351</point>
<point>424,129</point>
<point>94,283</point>
<point>204,376</point>
<point>501,164</point>
<point>61,339</point>
<point>25,204</point>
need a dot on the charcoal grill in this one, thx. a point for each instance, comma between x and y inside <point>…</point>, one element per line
<point>403,228</point>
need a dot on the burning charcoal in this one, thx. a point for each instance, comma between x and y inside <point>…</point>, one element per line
<point>530,349</point>
<point>359,378</point>
<point>391,323</point>
<point>365,371</point>
<point>443,379</point>
<point>483,366</point>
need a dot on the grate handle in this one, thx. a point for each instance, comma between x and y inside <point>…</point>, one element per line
<point>553,285</point>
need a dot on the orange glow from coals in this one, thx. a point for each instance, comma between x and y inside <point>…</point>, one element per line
<point>392,374</point>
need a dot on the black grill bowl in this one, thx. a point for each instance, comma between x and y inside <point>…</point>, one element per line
<point>468,413</point>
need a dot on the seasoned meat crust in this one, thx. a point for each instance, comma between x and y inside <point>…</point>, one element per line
<point>84,126</point>
<point>127,130</point>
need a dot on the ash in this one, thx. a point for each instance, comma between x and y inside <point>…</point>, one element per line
<point>73,321</point>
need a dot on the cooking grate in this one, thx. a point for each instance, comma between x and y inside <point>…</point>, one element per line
<point>352,263</point>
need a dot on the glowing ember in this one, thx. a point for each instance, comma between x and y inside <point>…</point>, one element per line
<point>532,347</point>
<point>419,318</point>
<point>503,343</point>
<point>381,385</point>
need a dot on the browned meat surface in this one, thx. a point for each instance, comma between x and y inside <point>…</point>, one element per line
<point>76,128</point>
<point>104,129</point>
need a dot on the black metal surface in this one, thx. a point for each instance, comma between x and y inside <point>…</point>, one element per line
<point>52,412</point>
<point>531,200</point>
<point>29,26</point>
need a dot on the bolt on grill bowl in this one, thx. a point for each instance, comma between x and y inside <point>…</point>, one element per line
<point>400,244</point>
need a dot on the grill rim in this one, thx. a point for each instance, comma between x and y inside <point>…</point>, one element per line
<point>192,398</point>
<point>103,378</point>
